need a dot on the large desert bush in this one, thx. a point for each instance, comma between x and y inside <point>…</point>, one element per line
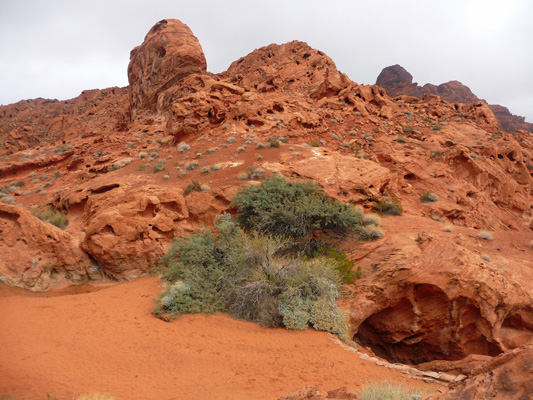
<point>293,210</point>
<point>249,276</point>
<point>266,265</point>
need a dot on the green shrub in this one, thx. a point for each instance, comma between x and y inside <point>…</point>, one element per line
<point>293,210</point>
<point>428,197</point>
<point>160,166</point>
<point>274,143</point>
<point>246,275</point>
<point>342,263</point>
<point>194,186</point>
<point>436,127</point>
<point>51,216</point>
<point>390,206</point>
<point>315,143</point>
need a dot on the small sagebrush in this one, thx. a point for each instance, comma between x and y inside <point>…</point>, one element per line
<point>51,216</point>
<point>371,219</point>
<point>389,391</point>
<point>371,232</point>
<point>192,165</point>
<point>158,167</point>
<point>428,197</point>
<point>390,206</point>
<point>485,235</point>
<point>182,147</point>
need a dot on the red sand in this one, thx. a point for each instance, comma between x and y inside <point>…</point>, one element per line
<point>108,341</point>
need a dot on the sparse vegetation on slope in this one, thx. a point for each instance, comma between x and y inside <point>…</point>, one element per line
<point>50,215</point>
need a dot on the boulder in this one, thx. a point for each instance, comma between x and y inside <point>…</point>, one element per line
<point>37,255</point>
<point>508,376</point>
<point>130,229</point>
<point>169,53</point>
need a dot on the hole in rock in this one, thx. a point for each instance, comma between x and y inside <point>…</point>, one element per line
<point>149,212</point>
<point>423,327</point>
<point>105,188</point>
<point>160,51</point>
<point>517,327</point>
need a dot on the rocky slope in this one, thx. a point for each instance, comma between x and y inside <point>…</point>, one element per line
<point>397,81</point>
<point>117,162</point>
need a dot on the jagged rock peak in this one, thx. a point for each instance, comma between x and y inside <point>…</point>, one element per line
<point>397,82</point>
<point>169,53</point>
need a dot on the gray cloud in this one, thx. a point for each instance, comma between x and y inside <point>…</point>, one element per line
<point>58,48</point>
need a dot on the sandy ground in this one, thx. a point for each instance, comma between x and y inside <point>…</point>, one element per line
<point>68,344</point>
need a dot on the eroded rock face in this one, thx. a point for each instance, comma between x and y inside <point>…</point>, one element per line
<point>169,53</point>
<point>128,228</point>
<point>427,296</point>
<point>508,376</point>
<point>340,176</point>
<point>36,254</point>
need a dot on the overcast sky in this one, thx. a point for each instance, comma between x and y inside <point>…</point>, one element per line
<point>57,48</point>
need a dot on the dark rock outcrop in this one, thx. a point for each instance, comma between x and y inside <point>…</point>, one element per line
<point>398,82</point>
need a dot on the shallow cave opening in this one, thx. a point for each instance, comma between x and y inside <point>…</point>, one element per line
<point>426,325</point>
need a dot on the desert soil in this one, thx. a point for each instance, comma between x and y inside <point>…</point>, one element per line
<point>85,339</point>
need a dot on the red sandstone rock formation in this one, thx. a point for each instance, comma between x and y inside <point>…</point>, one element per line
<point>38,255</point>
<point>508,376</point>
<point>431,295</point>
<point>397,81</point>
<point>169,53</point>
<point>425,294</point>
